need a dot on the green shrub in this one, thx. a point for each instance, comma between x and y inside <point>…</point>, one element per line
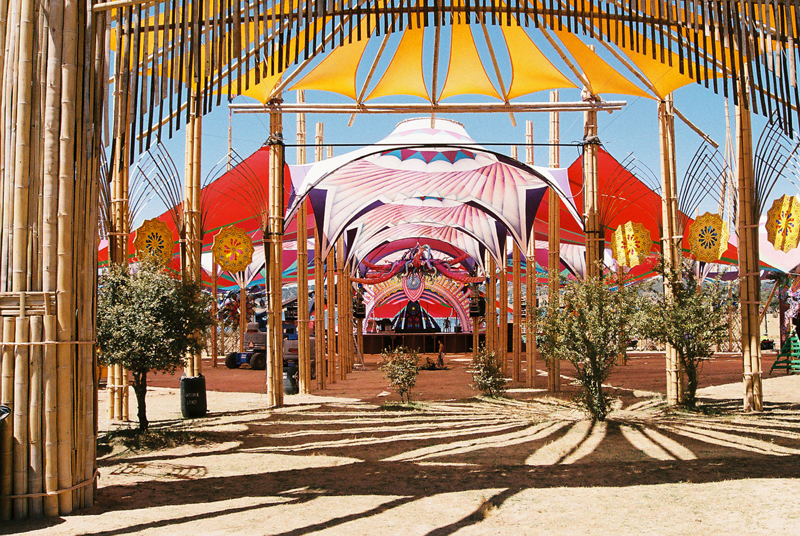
<point>487,373</point>
<point>400,368</point>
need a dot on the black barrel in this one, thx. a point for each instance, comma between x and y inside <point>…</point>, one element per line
<point>290,381</point>
<point>193,397</point>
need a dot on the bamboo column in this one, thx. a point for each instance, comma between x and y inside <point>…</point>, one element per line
<point>341,292</point>
<point>331,309</point>
<point>669,238</point>
<point>214,311</point>
<point>275,276</point>
<point>304,342</point>
<point>191,213</point>
<point>516,353</point>
<point>491,303</point>
<point>591,203</point>
<point>531,277</point>
<point>502,338</point>
<point>749,287</point>
<point>319,286</point>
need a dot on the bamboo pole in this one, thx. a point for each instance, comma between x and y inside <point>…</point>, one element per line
<point>340,309</point>
<point>304,342</point>
<point>748,265</point>
<point>491,304</point>
<point>332,350</point>
<point>242,312</point>
<point>7,393</point>
<point>516,355</point>
<point>593,231</point>
<point>502,338</point>
<point>65,295</point>
<point>320,348</point>
<point>214,312</point>
<point>669,244</point>
<point>197,231</point>
<point>20,423</point>
<point>35,477</point>
<point>276,163</point>
<point>50,424</point>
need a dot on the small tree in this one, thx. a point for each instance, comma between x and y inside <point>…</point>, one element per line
<point>692,320</point>
<point>400,368</point>
<point>590,330</point>
<point>487,373</point>
<point>149,321</point>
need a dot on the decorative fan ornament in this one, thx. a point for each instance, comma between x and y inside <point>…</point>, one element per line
<point>783,223</point>
<point>233,249</point>
<point>413,287</point>
<point>708,237</point>
<point>630,244</point>
<point>154,240</point>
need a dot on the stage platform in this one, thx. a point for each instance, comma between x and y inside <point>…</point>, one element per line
<point>375,343</point>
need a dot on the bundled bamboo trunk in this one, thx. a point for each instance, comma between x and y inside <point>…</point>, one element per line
<point>502,338</point>
<point>340,309</point>
<point>491,304</point>
<point>303,336</point>
<point>591,199</point>
<point>331,309</point>
<point>749,287</point>
<point>554,244</point>
<point>516,361</point>
<point>669,229</point>
<point>275,275</point>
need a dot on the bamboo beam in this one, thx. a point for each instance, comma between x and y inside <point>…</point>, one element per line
<point>304,341</point>
<point>428,108</point>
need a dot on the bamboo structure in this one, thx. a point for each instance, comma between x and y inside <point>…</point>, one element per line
<point>516,352</point>
<point>214,312</point>
<point>341,321</point>
<point>303,336</point>
<point>669,235</point>
<point>274,273</point>
<point>491,304</point>
<point>321,351</point>
<point>331,359</point>
<point>749,275</point>
<point>191,269</point>
<point>531,281</point>
<point>591,196</point>
<point>502,316</point>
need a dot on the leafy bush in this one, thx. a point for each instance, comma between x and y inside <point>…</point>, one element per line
<point>590,330</point>
<point>400,368</point>
<point>149,321</point>
<point>691,318</point>
<point>487,373</point>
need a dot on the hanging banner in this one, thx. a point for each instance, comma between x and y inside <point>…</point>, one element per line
<point>708,237</point>
<point>630,244</point>
<point>153,239</point>
<point>232,249</point>
<point>783,223</point>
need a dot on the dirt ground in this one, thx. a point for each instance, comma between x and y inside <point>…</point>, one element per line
<point>348,461</point>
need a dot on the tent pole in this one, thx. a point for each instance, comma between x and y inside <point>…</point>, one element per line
<point>591,205</point>
<point>502,312</point>
<point>214,311</point>
<point>491,304</point>
<point>516,365</point>
<point>275,276</point>
<point>340,310</point>
<point>554,237</point>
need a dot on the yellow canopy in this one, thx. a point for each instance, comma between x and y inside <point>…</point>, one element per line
<point>531,71</point>
<point>465,72</point>
<point>404,75</point>
<point>337,72</point>
<point>602,77</point>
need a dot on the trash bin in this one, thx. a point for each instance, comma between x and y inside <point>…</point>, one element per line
<point>193,397</point>
<point>290,381</point>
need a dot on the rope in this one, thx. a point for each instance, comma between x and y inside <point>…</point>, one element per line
<point>46,343</point>
<point>57,492</point>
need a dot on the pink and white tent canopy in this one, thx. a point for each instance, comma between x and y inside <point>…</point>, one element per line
<point>419,162</point>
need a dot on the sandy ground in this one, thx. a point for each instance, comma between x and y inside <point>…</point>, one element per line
<point>345,462</point>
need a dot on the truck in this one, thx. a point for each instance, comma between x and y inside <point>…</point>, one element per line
<point>255,343</point>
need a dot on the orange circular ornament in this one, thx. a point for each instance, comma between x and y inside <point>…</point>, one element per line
<point>783,223</point>
<point>232,249</point>
<point>154,240</point>
<point>708,237</point>
<point>630,244</point>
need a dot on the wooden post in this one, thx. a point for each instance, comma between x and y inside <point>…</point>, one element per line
<point>214,311</point>
<point>341,293</point>
<point>553,246</point>
<point>319,286</point>
<point>669,239</point>
<point>749,287</point>
<point>503,312</point>
<point>303,336</point>
<point>275,275</point>
<point>491,304</point>
<point>331,309</point>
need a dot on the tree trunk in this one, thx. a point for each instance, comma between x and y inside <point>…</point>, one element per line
<point>140,389</point>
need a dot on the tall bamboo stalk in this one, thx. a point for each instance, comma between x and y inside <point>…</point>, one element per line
<point>35,477</point>
<point>331,309</point>
<point>749,288</point>
<point>591,203</point>
<point>7,399</point>
<point>340,309</point>
<point>669,238</point>
<point>319,285</point>
<point>275,353</point>
<point>303,336</point>
<point>49,377</point>
<point>502,338</point>
<point>516,357</point>
<point>491,304</point>
<point>20,422</point>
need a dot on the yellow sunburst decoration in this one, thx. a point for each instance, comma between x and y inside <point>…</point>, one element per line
<point>233,249</point>
<point>708,237</point>
<point>783,223</point>
<point>630,244</point>
<point>154,239</point>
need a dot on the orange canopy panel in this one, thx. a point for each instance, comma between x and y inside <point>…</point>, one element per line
<point>404,76</point>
